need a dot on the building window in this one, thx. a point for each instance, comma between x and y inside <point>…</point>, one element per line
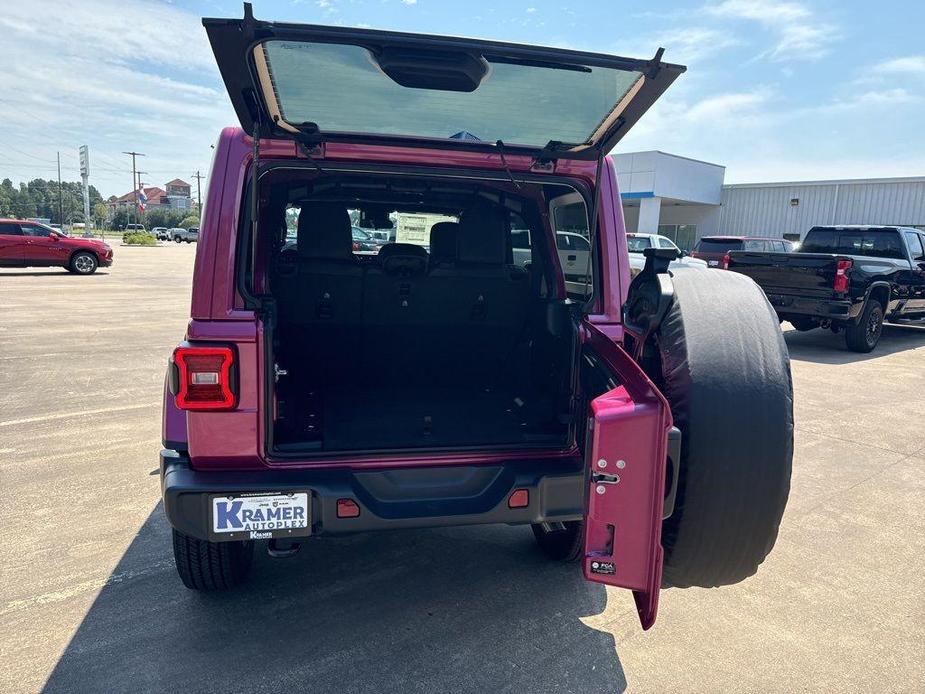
<point>683,235</point>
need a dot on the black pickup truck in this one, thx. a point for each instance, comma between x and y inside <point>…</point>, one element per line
<point>849,278</point>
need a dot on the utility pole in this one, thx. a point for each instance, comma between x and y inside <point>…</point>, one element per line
<point>60,196</point>
<point>134,187</point>
<point>198,178</point>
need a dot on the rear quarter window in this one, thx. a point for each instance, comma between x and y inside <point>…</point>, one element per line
<point>718,245</point>
<point>819,242</point>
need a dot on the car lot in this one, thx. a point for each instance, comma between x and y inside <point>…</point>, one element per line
<point>90,601</point>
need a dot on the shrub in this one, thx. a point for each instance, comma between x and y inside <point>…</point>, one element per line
<point>189,221</point>
<point>137,238</point>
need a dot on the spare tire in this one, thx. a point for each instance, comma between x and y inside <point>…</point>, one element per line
<point>725,371</point>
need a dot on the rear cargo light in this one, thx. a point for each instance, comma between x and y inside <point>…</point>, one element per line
<point>519,498</point>
<point>841,275</point>
<point>347,508</point>
<point>726,260</point>
<point>204,378</point>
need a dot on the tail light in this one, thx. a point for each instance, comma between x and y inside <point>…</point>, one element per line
<point>356,246</point>
<point>841,275</point>
<point>204,378</point>
<point>726,260</point>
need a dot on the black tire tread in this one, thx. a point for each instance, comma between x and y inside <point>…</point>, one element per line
<point>726,373</point>
<point>566,545</point>
<point>856,332</point>
<point>207,566</point>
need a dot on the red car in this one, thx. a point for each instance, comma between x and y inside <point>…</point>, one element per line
<point>629,425</point>
<point>31,244</point>
<point>715,249</point>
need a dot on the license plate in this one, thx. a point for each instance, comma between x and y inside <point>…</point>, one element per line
<point>712,263</point>
<point>260,516</point>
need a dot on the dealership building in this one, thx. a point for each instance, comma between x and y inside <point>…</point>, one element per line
<point>686,199</point>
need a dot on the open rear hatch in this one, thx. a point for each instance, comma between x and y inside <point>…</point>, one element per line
<point>335,84</point>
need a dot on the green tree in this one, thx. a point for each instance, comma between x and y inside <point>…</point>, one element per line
<point>189,221</point>
<point>100,212</point>
<point>41,198</point>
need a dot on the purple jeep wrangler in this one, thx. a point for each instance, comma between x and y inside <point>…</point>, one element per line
<point>643,429</point>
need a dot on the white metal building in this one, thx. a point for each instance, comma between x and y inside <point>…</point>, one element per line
<point>685,199</point>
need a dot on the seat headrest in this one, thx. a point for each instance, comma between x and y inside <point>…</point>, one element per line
<point>443,237</point>
<point>324,231</point>
<point>403,259</point>
<point>482,235</point>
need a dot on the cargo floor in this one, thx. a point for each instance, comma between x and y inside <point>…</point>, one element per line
<point>355,418</point>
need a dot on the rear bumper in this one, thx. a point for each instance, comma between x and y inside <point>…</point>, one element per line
<point>388,498</point>
<point>831,309</point>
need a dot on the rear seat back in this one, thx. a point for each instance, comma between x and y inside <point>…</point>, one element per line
<point>483,297</point>
<point>322,298</point>
<point>443,236</point>
<point>398,312</point>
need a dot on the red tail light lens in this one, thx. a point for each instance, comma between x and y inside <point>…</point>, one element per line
<point>204,378</point>
<point>347,508</point>
<point>841,275</point>
<point>726,260</point>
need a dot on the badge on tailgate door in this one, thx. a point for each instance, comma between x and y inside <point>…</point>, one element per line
<point>259,516</point>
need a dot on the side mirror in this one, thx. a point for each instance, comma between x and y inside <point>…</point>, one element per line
<point>682,253</point>
<point>54,236</point>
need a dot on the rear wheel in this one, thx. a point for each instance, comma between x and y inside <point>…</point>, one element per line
<point>560,541</point>
<point>83,263</point>
<point>725,371</point>
<point>205,565</point>
<point>802,323</point>
<point>864,335</point>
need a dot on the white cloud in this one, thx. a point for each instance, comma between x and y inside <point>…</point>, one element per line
<point>765,11</point>
<point>911,65</point>
<point>727,107</point>
<point>410,2</point>
<point>800,35</point>
<point>531,10</point>
<point>82,77</point>
<point>896,96</point>
<point>684,44</point>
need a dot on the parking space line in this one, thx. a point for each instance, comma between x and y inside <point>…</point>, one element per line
<point>82,413</point>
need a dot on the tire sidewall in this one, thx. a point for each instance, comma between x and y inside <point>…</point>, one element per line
<point>725,371</point>
<point>857,338</point>
<point>76,258</point>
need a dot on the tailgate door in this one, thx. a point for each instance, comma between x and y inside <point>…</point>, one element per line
<point>626,454</point>
<point>807,274</point>
<point>320,83</point>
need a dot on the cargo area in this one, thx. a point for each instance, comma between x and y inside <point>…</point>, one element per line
<point>438,341</point>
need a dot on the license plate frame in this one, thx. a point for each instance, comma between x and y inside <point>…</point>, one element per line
<point>272,522</point>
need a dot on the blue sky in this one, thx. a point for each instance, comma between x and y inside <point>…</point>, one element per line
<point>775,89</point>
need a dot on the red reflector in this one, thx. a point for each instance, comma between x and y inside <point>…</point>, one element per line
<point>841,275</point>
<point>519,498</point>
<point>205,378</point>
<point>347,508</point>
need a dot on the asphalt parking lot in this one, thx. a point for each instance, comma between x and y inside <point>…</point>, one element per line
<point>90,601</point>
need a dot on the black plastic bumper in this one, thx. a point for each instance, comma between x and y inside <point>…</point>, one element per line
<point>831,309</point>
<point>388,498</point>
